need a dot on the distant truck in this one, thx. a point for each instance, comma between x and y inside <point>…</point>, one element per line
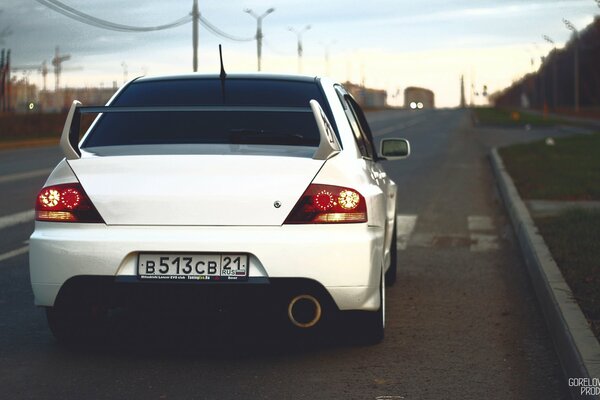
<point>418,98</point>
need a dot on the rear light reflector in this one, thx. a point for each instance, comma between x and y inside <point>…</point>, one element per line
<point>65,203</point>
<point>328,204</point>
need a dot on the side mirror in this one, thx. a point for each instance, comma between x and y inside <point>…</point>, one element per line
<point>394,149</point>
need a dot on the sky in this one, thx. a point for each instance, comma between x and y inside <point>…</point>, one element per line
<point>385,44</point>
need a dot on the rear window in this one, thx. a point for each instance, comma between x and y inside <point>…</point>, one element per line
<point>214,127</point>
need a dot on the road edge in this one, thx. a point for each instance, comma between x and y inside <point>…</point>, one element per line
<point>577,348</point>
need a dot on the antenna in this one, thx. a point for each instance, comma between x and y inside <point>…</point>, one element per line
<point>223,74</point>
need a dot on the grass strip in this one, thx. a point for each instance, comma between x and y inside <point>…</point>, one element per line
<point>510,118</point>
<point>567,170</point>
<point>573,241</point>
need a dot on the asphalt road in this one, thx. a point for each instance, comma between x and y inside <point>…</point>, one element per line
<point>462,321</point>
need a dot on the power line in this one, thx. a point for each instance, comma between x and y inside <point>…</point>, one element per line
<point>101,23</point>
<point>194,17</point>
<point>208,25</point>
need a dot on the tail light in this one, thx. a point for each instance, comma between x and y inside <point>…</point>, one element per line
<point>327,204</point>
<point>65,203</point>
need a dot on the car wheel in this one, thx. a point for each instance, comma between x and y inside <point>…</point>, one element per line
<point>390,275</point>
<point>371,324</point>
<point>74,325</point>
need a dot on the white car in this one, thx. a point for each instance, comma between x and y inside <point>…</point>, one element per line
<point>192,184</point>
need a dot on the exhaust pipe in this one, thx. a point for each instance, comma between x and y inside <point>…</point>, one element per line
<point>304,311</point>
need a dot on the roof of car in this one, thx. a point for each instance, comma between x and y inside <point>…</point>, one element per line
<point>254,76</point>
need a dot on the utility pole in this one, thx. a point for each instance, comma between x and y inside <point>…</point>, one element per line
<point>463,102</point>
<point>571,27</point>
<point>44,71</point>
<point>5,80</point>
<point>554,78</point>
<point>259,34</point>
<point>2,81</point>
<point>7,77</point>
<point>300,49</point>
<point>195,17</point>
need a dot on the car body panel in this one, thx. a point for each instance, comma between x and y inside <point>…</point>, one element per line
<point>336,256</point>
<point>194,189</point>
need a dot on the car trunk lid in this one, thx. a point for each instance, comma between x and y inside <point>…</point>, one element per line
<point>191,190</point>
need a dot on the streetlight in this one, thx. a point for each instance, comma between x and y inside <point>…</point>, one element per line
<point>539,81</point>
<point>259,34</point>
<point>195,18</point>
<point>571,27</point>
<point>554,57</point>
<point>299,35</point>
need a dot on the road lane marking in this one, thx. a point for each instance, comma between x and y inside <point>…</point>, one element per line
<point>399,127</point>
<point>439,240</point>
<point>16,219</point>
<point>405,224</point>
<point>25,175</point>
<point>480,223</point>
<point>481,237</point>
<point>14,253</point>
<point>481,242</point>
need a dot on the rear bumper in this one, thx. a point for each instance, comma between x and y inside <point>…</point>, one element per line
<point>345,260</point>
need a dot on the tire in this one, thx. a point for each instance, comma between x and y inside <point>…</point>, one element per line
<point>76,325</point>
<point>390,275</point>
<point>370,324</point>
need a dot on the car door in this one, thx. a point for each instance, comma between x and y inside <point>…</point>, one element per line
<point>364,140</point>
<point>383,180</point>
<point>377,175</point>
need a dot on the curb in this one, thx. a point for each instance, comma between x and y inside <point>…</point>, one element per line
<point>577,348</point>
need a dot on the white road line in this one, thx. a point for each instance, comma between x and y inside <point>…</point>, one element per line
<point>405,224</point>
<point>480,223</point>
<point>14,253</point>
<point>422,240</point>
<point>25,175</point>
<point>481,242</point>
<point>481,237</point>
<point>16,219</point>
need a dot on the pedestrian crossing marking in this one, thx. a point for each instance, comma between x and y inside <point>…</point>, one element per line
<point>480,223</point>
<point>480,238</point>
<point>481,242</point>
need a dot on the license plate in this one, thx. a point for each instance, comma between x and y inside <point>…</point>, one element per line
<point>193,266</point>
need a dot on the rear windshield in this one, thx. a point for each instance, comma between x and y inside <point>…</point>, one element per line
<point>212,126</point>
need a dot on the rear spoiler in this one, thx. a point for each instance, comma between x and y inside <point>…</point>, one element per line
<point>69,140</point>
